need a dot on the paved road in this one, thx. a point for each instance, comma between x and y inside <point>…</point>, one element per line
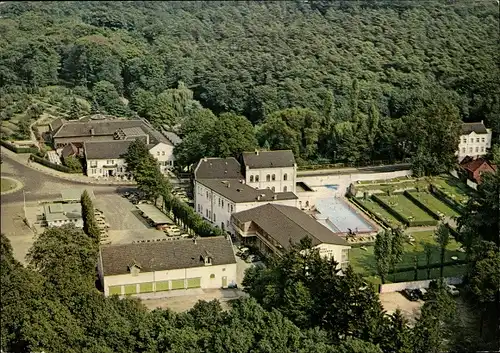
<point>364,170</point>
<point>40,186</point>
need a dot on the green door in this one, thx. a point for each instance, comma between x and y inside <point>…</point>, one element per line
<point>130,289</point>
<point>194,282</point>
<point>177,284</point>
<point>146,287</point>
<point>224,282</point>
<point>162,286</point>
<point>115,290</point>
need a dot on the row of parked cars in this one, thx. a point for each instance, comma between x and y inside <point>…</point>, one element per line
<point>245,254</point>
<point>421,293</point>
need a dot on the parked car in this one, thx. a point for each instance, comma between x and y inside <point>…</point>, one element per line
<point>421,292</point>
<point>410,294</point>
<point>241,251</point>
<point>452,289</point>
<point>245,255</point>
<point>250,259</point>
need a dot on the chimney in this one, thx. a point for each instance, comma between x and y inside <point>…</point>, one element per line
<point>205,159</point>
<point>92,131</point>
<point>258,197</point>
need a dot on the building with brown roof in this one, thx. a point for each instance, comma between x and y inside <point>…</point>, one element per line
<point>158,267</point>
<point>475,168</point>
<point>475,140</point>
<point>272,228</point>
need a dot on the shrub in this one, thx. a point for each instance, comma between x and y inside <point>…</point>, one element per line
<point>16,149</point>
<point>49,164</point>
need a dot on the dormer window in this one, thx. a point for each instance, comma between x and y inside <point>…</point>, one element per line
<point>207,259</point>
<point>134,269</point>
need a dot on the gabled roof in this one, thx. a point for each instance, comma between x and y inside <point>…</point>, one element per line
<point>69,150</point>
<point>268,159</point>
<point>99,127</point>
<point>113,149</point>
<point>286,223</point>
<point>166,255</point>
<point>173,137</point>
<point>56,124</point>
<point>477,127</point>
<point>238,192</point>
<point>62,212</point>
<point>473,165</point>
<point>218,168</point>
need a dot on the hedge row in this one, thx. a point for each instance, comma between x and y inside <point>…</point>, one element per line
<point>369,212</point>
<point>16,149</point>
<point>420,204</point>
<point>446,199</point>
<point>392,211</point>
<point>49,164</point>
<point>424,267</point>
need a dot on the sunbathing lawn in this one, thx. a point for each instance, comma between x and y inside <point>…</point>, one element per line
<point>453,186</point>
<point>6,184</point>
<point>405,207</point>
<point>363,261</point>
<point>434,203</point>
<point>379,211</point>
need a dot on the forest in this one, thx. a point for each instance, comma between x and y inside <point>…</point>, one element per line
<point>336,81</point>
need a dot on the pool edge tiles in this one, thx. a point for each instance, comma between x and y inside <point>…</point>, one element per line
<point>343,216</point>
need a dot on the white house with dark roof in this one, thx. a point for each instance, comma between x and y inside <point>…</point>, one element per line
<point>272,228</point>
<point>155,269</point>
<point>475,140</point>
<point>59,214</point>
<point>275,170</point>
<point>221,190</point>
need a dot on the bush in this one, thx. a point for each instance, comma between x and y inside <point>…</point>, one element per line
<point>16,149</point>
<point>49,164</point>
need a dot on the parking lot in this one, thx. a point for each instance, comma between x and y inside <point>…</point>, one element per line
<point>120,213</point>
<point>395,300</point>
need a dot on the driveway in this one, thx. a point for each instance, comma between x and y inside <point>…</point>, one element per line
<point>395,300</point>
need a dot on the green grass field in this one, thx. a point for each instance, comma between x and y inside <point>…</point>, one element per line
<point>434,203</point>
<point>401,204</point>
<point>6,185</point>
<point>379,211</point>
<point>363,261</point>
<point>459,191</point>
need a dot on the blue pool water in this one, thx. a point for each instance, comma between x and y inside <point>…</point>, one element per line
<point>342,216</point>
<point>332,186</point>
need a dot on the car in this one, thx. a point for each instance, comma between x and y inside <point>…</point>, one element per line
<point>452,289</point>
<point>245,255</point>
<point>241,251</point>
<point>410,294</point>
<point>126,194</point>
<point>250,259</point>
<point>421,292</point>
<point>256,258</point>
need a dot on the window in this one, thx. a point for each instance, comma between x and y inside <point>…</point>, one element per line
<point>158,153</point>
<point>285,176</point>
<point>256,178</point>
<point>207,194</point>
<point>215,218</point>
<point>470,149</point>
<point>219,201</point>
<point>227,224</point>
<point>273,188</point>
<point>199,208</point>
<point>471,140</point>
<point>482,139</point>
<point>222,203</point>
<point>274,177</point>
<point>232,208</point>
<point>268,177</point>
<point>251,178</point>
<point>482,149</point>
<point>477,149</point>
<point>477,139</point>
<point>212,276</point>
<point>162,153</point>
<point>464,140</point>
<point>109,161</point>
<point>463,150</point>
<point>93,164</point>
<point>285,188</point>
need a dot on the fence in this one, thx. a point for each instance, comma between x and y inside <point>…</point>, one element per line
<point>396,287</point>
<point>349,165</point>
<point>17,149</point>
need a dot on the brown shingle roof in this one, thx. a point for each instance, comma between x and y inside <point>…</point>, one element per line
<point>166,255</point>
<point>218,168</point>
<point>286,223</point>
<point>69,150</point>
<point>101,128</point>
<point>268,159</point>
<point>113,149</point>
<point>238,192</point>
<point>477,127</point>
<point>473,165</point>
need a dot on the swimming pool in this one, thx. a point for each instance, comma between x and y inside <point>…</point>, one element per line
<point>342,216</point>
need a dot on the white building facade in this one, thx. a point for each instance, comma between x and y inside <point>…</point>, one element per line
<point>475,140</point>
<point>164,154</point>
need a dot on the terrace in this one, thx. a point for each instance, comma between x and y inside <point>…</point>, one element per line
<point>406,208</point>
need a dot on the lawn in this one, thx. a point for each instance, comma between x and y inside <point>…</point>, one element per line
<point>459,191</point>
<point>363,261</point>
<point>379,211</point>
<point>434,203</point>
<point>393,184</point>
<point>7,184</point>
<point>401,204</point>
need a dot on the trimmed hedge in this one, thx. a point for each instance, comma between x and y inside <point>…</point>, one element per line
<point>447,200</point>
<point>16,149</point>
<point>370,213</point>
<point>424,267</point>
<point>51,165</point>
<point>420,204</point>
<point>392,211</point>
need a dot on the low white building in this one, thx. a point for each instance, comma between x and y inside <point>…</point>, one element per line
<point>275,170</point>
<point>59,214</point>
<point>273,228</point>
<point>220,190</point>
<point>156,268</point>
<point>475,140</point>
<point>106,158</point>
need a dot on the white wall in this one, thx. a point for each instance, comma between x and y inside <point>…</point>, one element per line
<point>78,223</point>
<point>220,271</point>
<point>99,171</point>
<point>333,251</point>
<point>279,183</point>
<point>474,144</point>
<point>164,154</point>
<point>396,287</point>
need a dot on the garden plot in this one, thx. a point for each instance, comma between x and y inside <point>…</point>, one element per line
<point>435,204</point>
<point>455,189</point>
<point>401,204</point>
<point>380,212</point>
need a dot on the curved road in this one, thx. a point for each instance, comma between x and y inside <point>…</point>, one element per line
<point>40,186</point>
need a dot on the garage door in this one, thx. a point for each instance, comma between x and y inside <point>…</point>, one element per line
<point>146,287</point>
<point>161,286</point>
<point>194,282</point>
<point>115,290</point>
<point>177,284</point>
<point>130,289</point>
